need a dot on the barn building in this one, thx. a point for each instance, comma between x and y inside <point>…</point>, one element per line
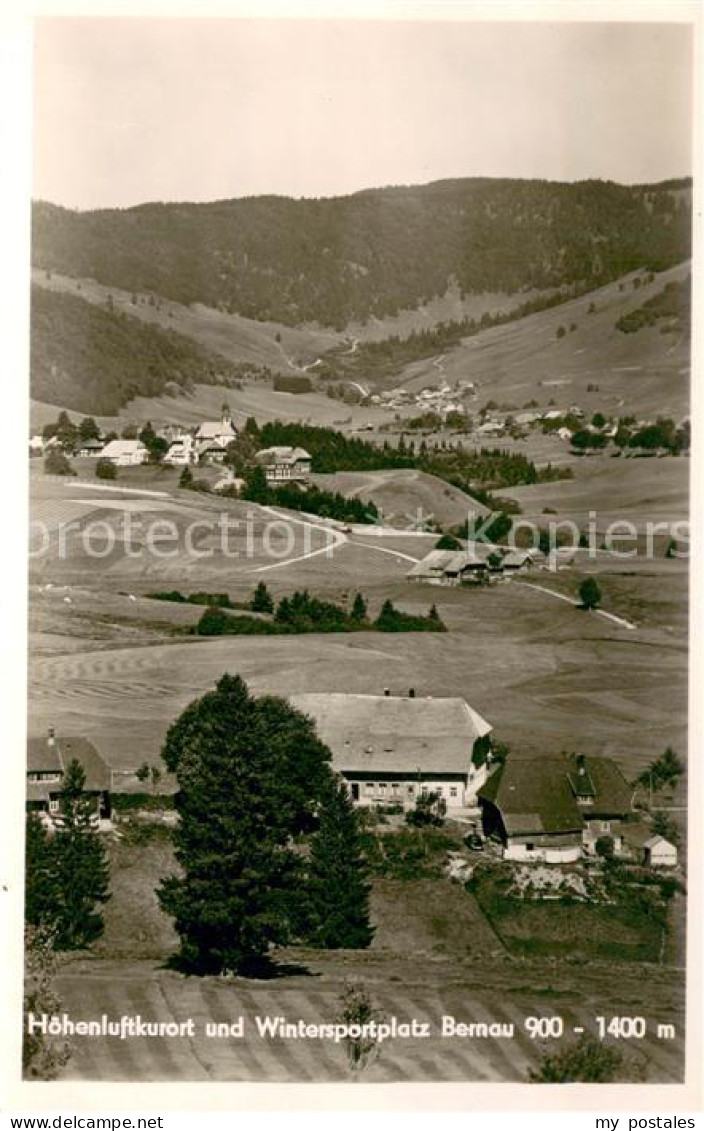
<point>552,809</point>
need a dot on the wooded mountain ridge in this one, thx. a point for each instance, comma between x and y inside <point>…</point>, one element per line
<point>92,359</point>
<point>373,253</point>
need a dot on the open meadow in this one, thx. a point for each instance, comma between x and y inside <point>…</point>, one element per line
<point>645,373</point>
<point>434,956</point>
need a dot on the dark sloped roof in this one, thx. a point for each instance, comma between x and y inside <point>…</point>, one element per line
<point>535,795</point>
<point>43,757</point>
<point>383,733</point>
<point>613,793</point>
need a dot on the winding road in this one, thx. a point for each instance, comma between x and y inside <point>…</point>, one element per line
<point>621,621</point>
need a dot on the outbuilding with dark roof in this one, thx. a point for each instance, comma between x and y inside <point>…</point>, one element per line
<point>554,808</point>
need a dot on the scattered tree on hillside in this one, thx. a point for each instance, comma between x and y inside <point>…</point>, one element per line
<point>584,439</point>
<point>57,463</point>
<point>185,479</point>
<point>251,773</point>
<point>80,866</point>
<point>337,887</point>
<point>359,609</point>
<point>589,593</point>
<point>256,487</point>
<point>106,469</point>
<point>663,771</point>
<point>560,332</point>
<point>448,542</point>
<point>88,429</point>
<point>262,601</point>
<point>157,446</point>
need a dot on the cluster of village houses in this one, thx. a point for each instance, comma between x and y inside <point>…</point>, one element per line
<point>391,748</point>
<point>208,443</point>
<point>444,400</point>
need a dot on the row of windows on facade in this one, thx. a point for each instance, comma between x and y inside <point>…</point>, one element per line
<point>373,788</point>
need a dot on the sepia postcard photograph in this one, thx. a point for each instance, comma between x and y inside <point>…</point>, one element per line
<point>358,448</point>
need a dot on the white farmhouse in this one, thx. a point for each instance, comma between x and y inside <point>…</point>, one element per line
<point>391,748</point>
<point>125,453</point>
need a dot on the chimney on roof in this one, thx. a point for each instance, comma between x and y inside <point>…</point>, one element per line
<point>387,691</point>
<point>411,692</point>
<point>50,739</point>
<point>581,763</point>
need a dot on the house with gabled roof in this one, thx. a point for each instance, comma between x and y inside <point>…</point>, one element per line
<point>480,562</point>
<point>125,453</point>
<point>659,853</point>
<point>391,748</point>
<point>554,809</point>
<point>48,759</point>
<point>285,464</point>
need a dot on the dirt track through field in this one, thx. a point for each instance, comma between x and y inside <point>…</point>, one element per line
<point>561,597</point>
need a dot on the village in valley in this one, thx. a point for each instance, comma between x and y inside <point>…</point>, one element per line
<point>503,827</point>
<point>357,742</point>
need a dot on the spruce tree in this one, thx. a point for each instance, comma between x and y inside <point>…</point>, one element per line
<point>250,773</point>
<point>589,593</point>
<point>359,609</point>
<point>262,601</point>
<point>40,903</point>
<point>80,866</point>
<point>338,891</point>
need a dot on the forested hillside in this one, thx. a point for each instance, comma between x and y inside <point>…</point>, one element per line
<point>375,252</point>
<point>91,359</point>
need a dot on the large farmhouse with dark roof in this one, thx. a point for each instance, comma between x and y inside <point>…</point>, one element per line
<point>552,809</point>
<point>390,749</point>
<point>47,761</point>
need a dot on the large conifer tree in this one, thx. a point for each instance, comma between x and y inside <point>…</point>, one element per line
<point>80,867</point>
<point>250,773</point>
<point>338,891</point>
<point>40,906</point>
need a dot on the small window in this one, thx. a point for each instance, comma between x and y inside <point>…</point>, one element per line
<point>453,791</point>
<point>530,847</point>
<point>53,805</point>
<point>606,826</point>
<point>410,789</point>
<point>382,787</point>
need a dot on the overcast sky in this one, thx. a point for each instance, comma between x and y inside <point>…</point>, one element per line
<point>133,110</point>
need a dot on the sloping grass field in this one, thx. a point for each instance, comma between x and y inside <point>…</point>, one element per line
<point>643,373</point>
<point>115,989</point>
